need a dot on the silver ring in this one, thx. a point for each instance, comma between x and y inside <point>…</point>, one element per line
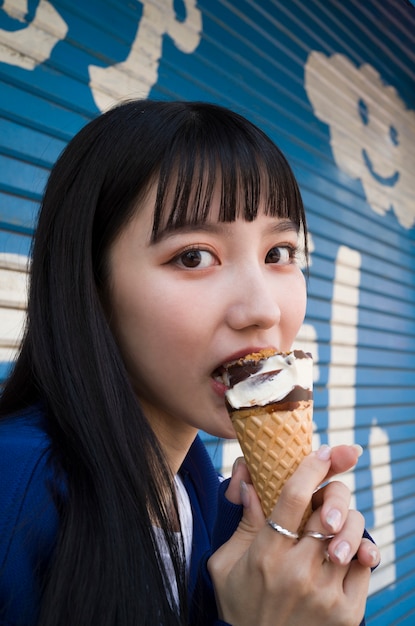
<point>281,530</point>
<point>316,535</point>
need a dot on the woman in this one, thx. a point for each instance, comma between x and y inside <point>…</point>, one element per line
<point>166,246</point>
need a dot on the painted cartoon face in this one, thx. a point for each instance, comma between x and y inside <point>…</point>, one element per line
<point>372,134</point>
<point>383,179</point>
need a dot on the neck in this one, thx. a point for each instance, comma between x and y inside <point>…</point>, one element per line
<point>175,437</point>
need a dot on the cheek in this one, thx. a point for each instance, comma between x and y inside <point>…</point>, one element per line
<point>294,304</point>
<point>158,323</point>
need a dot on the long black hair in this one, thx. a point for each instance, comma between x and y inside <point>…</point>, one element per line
<point>106,568</point>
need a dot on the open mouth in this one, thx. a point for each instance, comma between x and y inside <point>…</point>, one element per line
<point>220,374</point>
<point>237,370</point>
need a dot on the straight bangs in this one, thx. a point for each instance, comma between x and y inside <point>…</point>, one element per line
<point>227,156</point>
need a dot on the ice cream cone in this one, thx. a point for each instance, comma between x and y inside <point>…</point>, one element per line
<point>274,439</point>
<point>270,402</point>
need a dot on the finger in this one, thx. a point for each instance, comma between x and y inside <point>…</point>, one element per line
<point>356,582</point>
<point>356,585</point>
<point>368,554</point>
<point>241,491</point>
<point>239,473</point>
<point>224,559</point>
<point>346,543</point>
<point>343,458</point>
<point>253,519</point>
<point>298,490</point>
<point>333,501</point>
<point>315,539</point>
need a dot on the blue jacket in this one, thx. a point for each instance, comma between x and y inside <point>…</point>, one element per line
<point>29,520</point>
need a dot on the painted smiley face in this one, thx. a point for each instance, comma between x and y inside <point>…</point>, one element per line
<point>392,179</point>
<point>372,133</point>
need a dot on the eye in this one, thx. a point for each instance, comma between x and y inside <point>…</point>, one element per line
<point>363,111</point>
<point>281,255</point>
<point>179,8</point>
<point>195,258</point>
<point>393,133</point>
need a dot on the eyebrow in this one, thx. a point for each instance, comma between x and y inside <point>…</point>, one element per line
<point>285,225</point>
<point>282,226</point>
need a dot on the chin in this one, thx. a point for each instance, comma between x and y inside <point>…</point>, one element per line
<point>227,433</point>
<point>230,435</point>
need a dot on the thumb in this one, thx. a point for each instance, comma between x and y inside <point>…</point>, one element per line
<point>253,518</point>
<point>239,474</point>
<point>241,491</point>
<point>230,553</point>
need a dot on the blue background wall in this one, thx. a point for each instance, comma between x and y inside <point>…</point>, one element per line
<point>333,84</point>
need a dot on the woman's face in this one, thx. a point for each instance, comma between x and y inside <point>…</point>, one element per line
<point>182,307</point>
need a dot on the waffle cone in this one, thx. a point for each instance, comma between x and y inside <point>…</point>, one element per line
<point>274,439</point>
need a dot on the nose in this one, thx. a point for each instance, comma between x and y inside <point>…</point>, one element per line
<point>253,301</point>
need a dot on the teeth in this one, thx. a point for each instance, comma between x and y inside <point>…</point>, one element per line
<point>221,376</point>
<point>224,377</point>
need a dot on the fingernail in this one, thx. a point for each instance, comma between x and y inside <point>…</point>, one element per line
<point>244,494</point>
<point>374,554</point>
<point>342,552</point>
<point>324,452</point>
<point>358,449</point>
<point>334,519</point>
<point>236,464</point>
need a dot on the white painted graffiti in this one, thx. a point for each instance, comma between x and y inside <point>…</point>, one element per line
<point>13,299</point>
<point>31,45</point>
<point>139,72</point>
<point>342,402</point>
<point>372,133</point>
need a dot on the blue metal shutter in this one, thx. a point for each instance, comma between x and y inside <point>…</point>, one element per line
<point>333,83</point>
